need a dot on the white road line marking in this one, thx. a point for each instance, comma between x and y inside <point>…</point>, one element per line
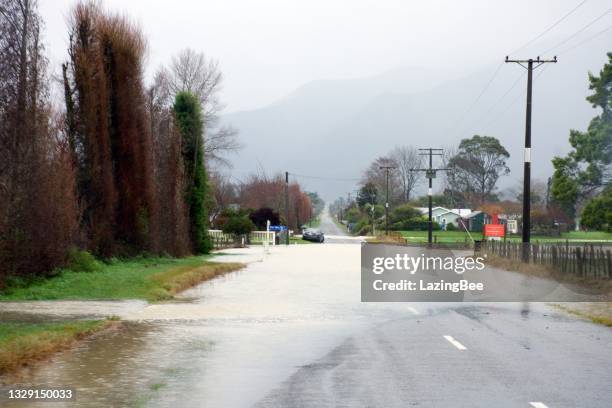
<point>455,343</point>
<point>413,310</point>
<point>538,405</point>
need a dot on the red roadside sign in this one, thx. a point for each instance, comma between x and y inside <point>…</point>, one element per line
<point>494,230</point>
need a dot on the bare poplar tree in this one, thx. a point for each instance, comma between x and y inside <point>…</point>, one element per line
<point>191,71</point>
<point>377,176</point>
<point>407,159</point>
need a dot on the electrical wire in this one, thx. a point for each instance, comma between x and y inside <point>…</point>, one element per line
<point>323,178</point>
<point>494,105</point>
<point>514,101</point>
<point>463,116</point>
<point>548,29</point>
<point>579,31</point>
<point>469,109</point>
<point>528,43</point>
<point>585,41</point>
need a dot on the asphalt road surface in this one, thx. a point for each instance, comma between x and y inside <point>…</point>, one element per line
<point>290,331</point>
<point>335,234</point>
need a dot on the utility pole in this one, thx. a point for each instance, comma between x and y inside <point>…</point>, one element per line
<point>287,205</point>
<point>430,173</point>
<point>386,169</point>
<point>527,159</point>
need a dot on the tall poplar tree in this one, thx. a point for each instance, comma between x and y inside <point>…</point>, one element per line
<point>188,116</point>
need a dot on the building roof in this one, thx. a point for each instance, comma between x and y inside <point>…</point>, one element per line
<point>472,214</point>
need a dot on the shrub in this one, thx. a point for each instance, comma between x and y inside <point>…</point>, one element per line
<point>414,224</point>
<point>597,214</point>
<point>451,227</point>
<point>82,261</point>
<point>238,225</point>
<point>352,215</point>
<point>404,213</point>
<point>261,216</point>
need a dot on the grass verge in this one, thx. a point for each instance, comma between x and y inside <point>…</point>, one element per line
<point>151,279</point>
<point>599,313</point>
<point>455,236</point>
<point>544,271</point>
<point>22,344</point>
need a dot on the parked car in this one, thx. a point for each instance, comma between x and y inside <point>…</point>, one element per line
<point>313,235</point>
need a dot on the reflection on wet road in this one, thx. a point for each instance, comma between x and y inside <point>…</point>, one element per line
<point>290,330</point>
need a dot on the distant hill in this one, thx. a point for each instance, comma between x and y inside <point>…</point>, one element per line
<point>333,128</point>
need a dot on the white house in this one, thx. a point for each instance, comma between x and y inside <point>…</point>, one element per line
<point>443,215</point>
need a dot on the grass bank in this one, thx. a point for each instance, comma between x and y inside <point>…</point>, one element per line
<point>599,313</point>
<point>461,236</point>
<point>22,344</point>
<point>151,279</point>
<point>440,236</point>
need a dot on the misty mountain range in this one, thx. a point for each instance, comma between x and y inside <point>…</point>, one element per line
<point>334,128</point>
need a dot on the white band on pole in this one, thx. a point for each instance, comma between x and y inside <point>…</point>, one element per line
<point>528,155</point>
<point>429,191</point>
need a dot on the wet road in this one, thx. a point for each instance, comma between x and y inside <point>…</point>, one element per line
<point>290,331</point>
<point>335,234</point>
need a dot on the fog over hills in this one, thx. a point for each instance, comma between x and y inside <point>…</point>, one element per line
<point>334,128</point>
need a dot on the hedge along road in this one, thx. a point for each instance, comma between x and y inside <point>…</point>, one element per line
<point>289,330</point>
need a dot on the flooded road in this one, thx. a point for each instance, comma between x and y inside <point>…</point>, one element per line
<point>247,330</point>
<point>290,330</point>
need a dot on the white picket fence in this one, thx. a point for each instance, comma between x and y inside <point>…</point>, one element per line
<point>263,237</point>
<point>255,237</point>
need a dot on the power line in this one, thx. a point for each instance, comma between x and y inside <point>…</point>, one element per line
<point>511,104</point>
<point>549,28</point>
<point>585,40</point>
<point>579,31</point>
<point>469,109</point>
<point>497,70</point>
<point>494,105</point>
<point>324,178</point>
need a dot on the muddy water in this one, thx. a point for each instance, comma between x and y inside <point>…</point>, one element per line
<point>228,342</point>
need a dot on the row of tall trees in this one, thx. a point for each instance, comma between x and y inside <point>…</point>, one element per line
<point>262,191</point>
<point>120,168</point>
<point>38,206</point>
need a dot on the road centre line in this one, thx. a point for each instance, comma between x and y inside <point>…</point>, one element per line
<point>455,343</point>
<point>538,405</point>
<point>413,310</point>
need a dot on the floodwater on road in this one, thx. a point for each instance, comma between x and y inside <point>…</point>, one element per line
<point>290,330</point>
<point>231,341</point>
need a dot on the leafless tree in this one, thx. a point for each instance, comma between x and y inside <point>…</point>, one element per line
<point>224,193</point>
<point>407,159</point>
<point>191,71</point>
<point>374,174</point>
<point>38,215</point>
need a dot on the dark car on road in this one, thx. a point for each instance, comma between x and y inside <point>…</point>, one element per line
<point>314,235</point>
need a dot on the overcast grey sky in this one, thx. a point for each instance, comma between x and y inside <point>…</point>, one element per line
<point>267,48</point>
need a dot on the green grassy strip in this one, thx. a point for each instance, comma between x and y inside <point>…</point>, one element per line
<point>140,278</point>
<point>24,343</point>
<point>454,236</point>
<point>594,316</point>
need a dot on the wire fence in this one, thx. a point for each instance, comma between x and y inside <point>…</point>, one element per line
<point>586,260</point>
